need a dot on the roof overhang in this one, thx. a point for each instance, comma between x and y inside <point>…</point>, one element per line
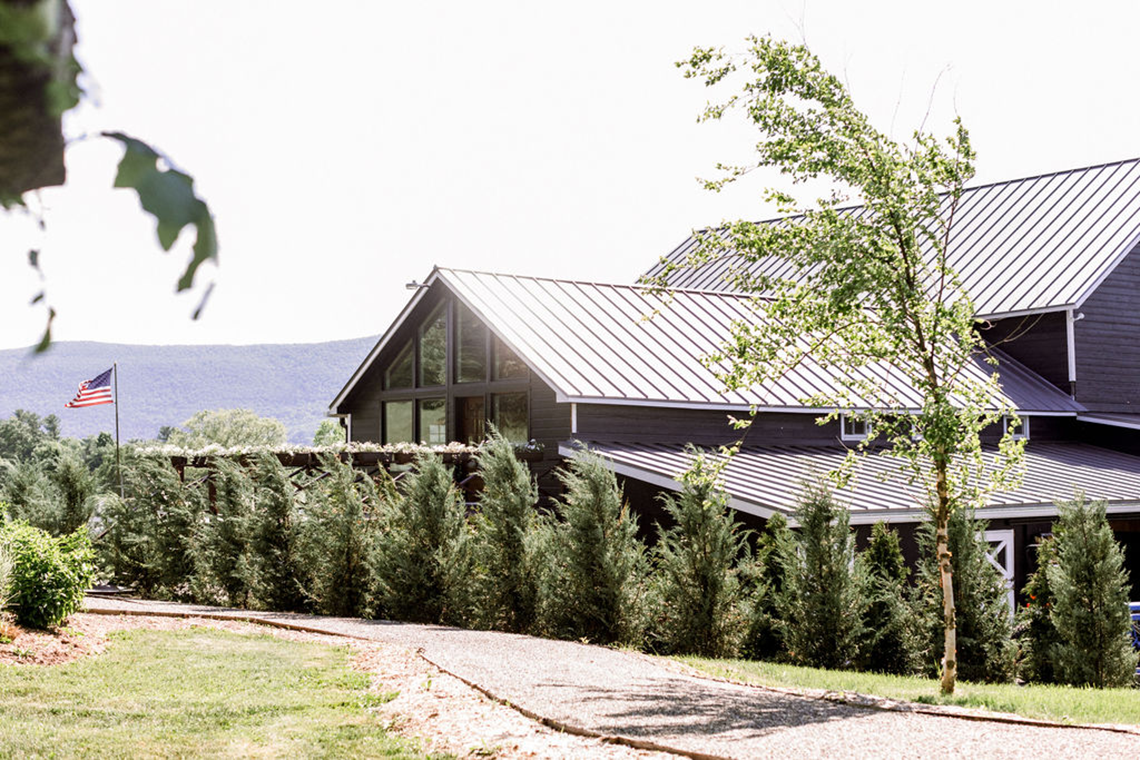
<point>769,484</point>
<point>1129,421</point>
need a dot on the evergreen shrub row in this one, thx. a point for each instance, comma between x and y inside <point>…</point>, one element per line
<point>343,543</point>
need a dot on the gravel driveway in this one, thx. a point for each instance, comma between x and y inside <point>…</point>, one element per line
<point>612,693</point>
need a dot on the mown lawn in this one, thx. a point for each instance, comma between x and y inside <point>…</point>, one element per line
<point>1059,703</point>
<point>195,693</point>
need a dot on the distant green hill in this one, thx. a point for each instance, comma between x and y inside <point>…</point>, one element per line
<point>165,385</point>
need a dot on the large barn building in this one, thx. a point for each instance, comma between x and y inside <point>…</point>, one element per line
<point>1052,264</point>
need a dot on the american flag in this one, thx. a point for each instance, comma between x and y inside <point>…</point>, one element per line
<point>93,392</point>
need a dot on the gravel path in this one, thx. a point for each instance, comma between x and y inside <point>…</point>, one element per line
<point>612,693</point>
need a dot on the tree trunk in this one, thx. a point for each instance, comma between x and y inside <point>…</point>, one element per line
<point>946,575</point>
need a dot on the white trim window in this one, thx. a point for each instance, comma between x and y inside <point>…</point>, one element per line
<point>1021,433</point>
<point>851,429</point>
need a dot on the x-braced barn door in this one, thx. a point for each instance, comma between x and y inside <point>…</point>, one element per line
<point>1000,556</point>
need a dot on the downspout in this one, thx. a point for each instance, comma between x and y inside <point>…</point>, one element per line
<point>1070,320</point>
<point>573,419</point>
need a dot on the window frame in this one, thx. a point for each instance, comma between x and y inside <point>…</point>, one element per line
<point>853,437</point>
<point>1023,432</point>
<point>451,390</point>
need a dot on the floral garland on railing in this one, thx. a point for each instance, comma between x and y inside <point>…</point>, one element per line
<point>167,450</point>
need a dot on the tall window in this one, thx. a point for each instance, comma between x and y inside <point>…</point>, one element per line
<point>399,374</point>
<point>508,365</point>
<point>432,420</point>
<point>433,349</point>
<point>509,413</point>
<point>398,422</point>
<point>471,419</point>
<point>470,347</point>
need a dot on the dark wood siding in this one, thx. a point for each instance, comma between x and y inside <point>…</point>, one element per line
<point>1038,341</point>
<point>549,425</point>
<point>707,427</point>
<point>549,420</point>
<point>1108,342</point>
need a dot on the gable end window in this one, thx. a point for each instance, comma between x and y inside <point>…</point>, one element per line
<point>452,378</point>
<point>399,374</point>
<point>433,350</point>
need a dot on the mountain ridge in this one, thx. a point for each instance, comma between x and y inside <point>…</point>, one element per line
<point>166,384</point>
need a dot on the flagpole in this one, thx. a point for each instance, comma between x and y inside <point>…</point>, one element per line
<point>118,460</point>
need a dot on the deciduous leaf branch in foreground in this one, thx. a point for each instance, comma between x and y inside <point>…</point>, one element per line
<point>39,82</point>
<point>865,291</point>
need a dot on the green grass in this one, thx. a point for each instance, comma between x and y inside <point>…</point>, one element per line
<point>195,693</point>
<point>1058,703</point>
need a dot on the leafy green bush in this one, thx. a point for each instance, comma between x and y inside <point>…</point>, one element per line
<point>593,587</point>
<point>821,602</point>
<point>7,568</point>
<point>985,648</point>
<point>75,486</point>
<point>1090,599</point>
<point>696,592</point>
<point>49,575</point>
<point>889,643</point>
<point>340,521</point>
<point>506,585</point>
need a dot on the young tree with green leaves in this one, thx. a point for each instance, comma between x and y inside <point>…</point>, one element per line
<point>329,433</point>
<point>229,428</point>
<point>149,539</point>
<point>766,577</point>
<point>822,602</point>
<point>1090,599</point>
<point>506,585</point>
<point>223,554</point>
<point>21,433</point>
<point>696,590</point>
<point>858,290</point>
<point>984,625</point>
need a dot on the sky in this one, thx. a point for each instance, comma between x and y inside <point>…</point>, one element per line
<point>346,148</point>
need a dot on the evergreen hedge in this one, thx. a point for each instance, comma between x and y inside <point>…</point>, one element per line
<point>593,587</point>
<point>821,602</point>
<point>1090,599</point>
<point>985,648</point>
<point>697,592</point>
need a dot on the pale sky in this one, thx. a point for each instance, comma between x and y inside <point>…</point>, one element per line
<point>345,148</point>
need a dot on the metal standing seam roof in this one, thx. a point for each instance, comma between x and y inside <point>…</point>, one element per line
<point>1021,246</point>
<point>764,480</point>
<point>593,342</point>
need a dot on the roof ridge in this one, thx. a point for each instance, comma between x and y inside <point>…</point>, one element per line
<point>724,225</point>
<point>594,283</point>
